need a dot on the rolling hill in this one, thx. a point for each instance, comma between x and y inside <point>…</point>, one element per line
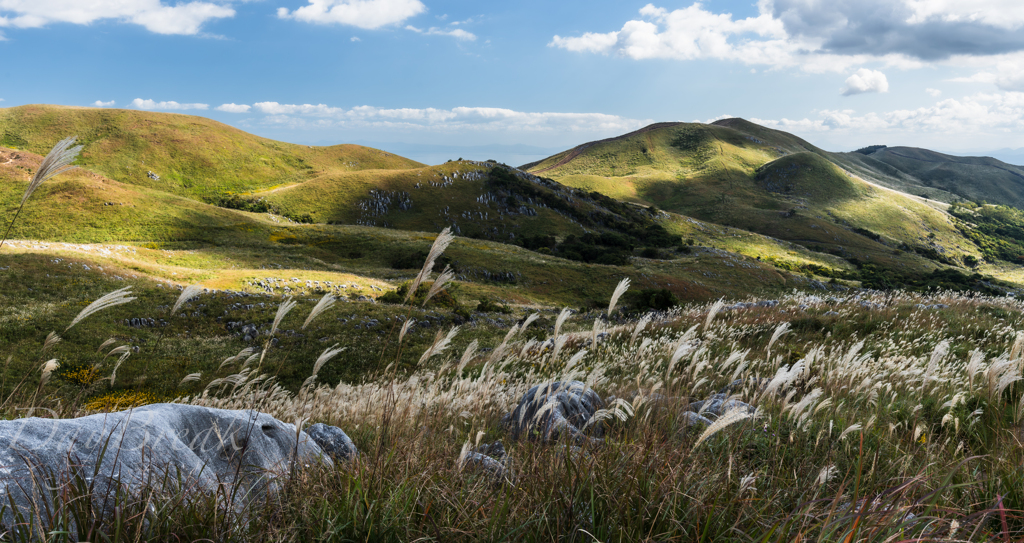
<point>736,173</point>
<point>938,176</point>
<point>189,156</point>
<point>727,195</point>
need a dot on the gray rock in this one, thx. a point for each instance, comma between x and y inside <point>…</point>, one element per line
<point>549,411</point>
<point>166,446</point>
<point>474,461</point>
<point>334,441</point>
<point>690,419</point>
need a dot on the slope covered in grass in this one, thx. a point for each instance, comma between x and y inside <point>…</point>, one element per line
<point>739,174</point>
<point>192,156</point>
<point>939,176</point>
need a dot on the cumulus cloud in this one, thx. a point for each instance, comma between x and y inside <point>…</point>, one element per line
<point>978,114</point>
<point>934,93</point>
<point>866,81</point>
<point>455,119</point>
<point>368,14</point>
<point>181,18</point>
<point>233,108</point>
<point>101,103</point>
<point>139,103</point>
<point>817,35</point>
<point>355,39</point>
<point>458,33</point>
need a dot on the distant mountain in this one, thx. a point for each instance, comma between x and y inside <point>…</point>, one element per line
<point>939,176</point>
<point>1007,155</point>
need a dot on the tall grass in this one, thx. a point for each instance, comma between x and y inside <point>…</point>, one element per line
<point>879,421</point>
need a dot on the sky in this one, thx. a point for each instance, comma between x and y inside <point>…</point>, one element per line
<point>515,81</point>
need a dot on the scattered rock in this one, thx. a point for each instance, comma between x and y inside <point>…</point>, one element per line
<point>549,411</point>
<point>334,441</point>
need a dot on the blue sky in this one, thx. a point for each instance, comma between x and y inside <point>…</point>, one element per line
<point>432,77</point>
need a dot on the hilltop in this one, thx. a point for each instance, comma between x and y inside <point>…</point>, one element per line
<point>742,175</point>
<point>187,155</point>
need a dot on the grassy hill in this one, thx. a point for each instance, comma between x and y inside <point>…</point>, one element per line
<point>753,178</point>
<point>192,156</point>
<point>938,176</point>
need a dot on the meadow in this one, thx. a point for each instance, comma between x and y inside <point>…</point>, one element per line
<point>856,414</point>
<point>879,417</point>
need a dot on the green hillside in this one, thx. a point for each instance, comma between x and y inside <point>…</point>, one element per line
<point>738,174</point>
<point>192,156</point>
<point>939,176</point>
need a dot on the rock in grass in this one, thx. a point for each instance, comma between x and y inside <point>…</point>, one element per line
<point>170,447</point>
<point>334,441</point>
<point>550,411</point>
<point>690,419</point>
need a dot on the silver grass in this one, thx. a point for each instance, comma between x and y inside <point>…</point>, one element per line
<point>559,343</point>
<point>560,320</point>
<point>499,351</point>
<point>825,474</point>
<point>747,484</point>
<point>118,351</point>
<point>324,357</point>
<point>727,419</point>
<point>324,304</point>
<point>106,344</point>
<point>287,305</point>
<point>442,281</point>
<point>189,293</point>
<point>620,289</point>
<point>192,377</point>
<point>47,368</point>
<point>243,354</point>
<point>779,331</point>
<point>853,428</point>
<point>118,297</point>
<point>715,308</point>
<point>620,409</point>
<point>640,325</point>
<point>56,162</point>
<point>1018,344</point>
<point>113,374</point>
<point>439,345</point>
<point>440,244</point>
<point>405,328</point>
<point>529,320</point>
<point>51,339</point>
<point>467,355</point>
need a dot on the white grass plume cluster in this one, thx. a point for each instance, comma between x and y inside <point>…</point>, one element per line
<point>56,162</point>
<point>440,244</point>
<point>118,297</point>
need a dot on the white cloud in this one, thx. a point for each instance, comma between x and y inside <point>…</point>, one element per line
<point>999,13</point>
<point>456,119</point>
<point>976,115</point>
<point>934,93</point>
<point>233,108</point>
<point>368,14</point>
<point>355,39</point>
<point>139,103</point>
<point>864,81</point>
<point>182,18</point>
<point>101,103</point>
<point>817,35</point>
<point>458,33</point>
<point>688,34</point>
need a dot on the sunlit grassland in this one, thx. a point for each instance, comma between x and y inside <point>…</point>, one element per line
<point>762,181</point>
<point>193,156</point>
<point>878,415</point>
